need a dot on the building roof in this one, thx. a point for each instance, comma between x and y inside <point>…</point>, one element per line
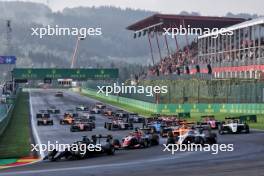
<point>157,22</point>
<point>244,24</point>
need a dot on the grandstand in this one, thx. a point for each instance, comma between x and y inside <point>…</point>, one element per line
<point>208,69</point>
<point>227,56</point>
<point>240,55</point>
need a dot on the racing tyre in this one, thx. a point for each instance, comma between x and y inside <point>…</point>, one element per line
<point>221,132</point>
<point>111,151</point>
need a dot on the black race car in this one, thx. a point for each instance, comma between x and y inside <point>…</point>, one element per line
<point>59,94</point>
<point>42,114</point>
<point>79,151</point>
<point>135,118</point>
<point>53,110</point>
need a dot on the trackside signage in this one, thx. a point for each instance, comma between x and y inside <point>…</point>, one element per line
<point>57,73</point>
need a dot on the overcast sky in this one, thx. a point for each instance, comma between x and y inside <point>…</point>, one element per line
<point>205,7</point>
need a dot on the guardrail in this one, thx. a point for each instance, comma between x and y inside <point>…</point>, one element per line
<point>6,116</point>
<point>245,108</point>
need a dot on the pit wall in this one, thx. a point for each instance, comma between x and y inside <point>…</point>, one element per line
<point>246,108</point>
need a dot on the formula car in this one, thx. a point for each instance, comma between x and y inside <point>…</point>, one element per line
<point>42,114</point>
<point>199,135</point>
<point>59,94</point>
<point>82,149</point>
<point>140,138</point>
<point>53,110</point>
<point>108,112</point>
<point>121,114</point>
<point>118,124</point>
<point>87,115</point>
<point>82,125</point>
<point>45,120</point>
<point>209,120</point>
<point>100,105</point>
<point>135,118</point>
<point>68,119</point>
<point>96,110</point>
<point>233,125</point>
<point>82,108</point>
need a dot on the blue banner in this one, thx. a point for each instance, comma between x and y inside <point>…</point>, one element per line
<point>7,59</point>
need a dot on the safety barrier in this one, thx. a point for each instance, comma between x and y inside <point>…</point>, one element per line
<point>5,119</point>
<point>6,112</point>
<point>246,108</point>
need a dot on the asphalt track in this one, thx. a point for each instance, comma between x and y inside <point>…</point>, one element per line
<point>246,159</point>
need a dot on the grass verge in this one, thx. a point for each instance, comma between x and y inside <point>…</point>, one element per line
<point>15,141</point>
<point>194,116</point>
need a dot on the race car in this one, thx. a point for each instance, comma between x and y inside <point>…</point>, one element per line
<point>77,150</point>
<point>135,118</point>
<point>156,126</point>
<point>53,110</point>
<point>209,120</point>
<point>121,114</point>
<point>42,114</point>
<point>199,135</point>
<point>87,115</point>
<point>140,138</point>
<point>118,124</point>
<point>233,125</point>
<point>45,120</point>
<point>82,125</point>
<point>59,94</point>
<point>108,112</point>
<point>100,105</point>
<point>68,119</point>
<point>82,108</point>
<point>95,110</point>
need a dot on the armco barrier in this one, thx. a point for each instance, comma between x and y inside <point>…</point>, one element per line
<point>179,108</point>
<point>4,121</point>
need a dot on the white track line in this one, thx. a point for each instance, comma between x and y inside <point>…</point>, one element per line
<point>139,162</point>
<point>33,125</point>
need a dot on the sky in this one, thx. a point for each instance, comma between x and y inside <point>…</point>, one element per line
<point>204,7</point>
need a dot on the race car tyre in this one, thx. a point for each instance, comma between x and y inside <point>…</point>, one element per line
<point>109,127</point>
<point>145,144</point>
<point>111,151</point>
<point>155,140</point>
<point>199,140</point>
<point>105,125</point>
<point>171,140</point>
<point>116,142</point>
<point>51,123</point>
<point>38,123</point>
<point>221,132</point>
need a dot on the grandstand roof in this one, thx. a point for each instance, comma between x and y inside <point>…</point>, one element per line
<point>245,24</point>
<point>157,22</point>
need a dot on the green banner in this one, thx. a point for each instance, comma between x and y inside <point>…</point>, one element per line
<point>57,73</point>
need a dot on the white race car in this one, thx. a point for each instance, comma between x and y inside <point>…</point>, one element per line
<point>233,125</point>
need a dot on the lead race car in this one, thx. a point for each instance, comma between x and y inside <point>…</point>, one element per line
<point>81,150</point>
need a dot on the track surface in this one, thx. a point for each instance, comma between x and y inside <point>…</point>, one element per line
<point>246,159</point>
